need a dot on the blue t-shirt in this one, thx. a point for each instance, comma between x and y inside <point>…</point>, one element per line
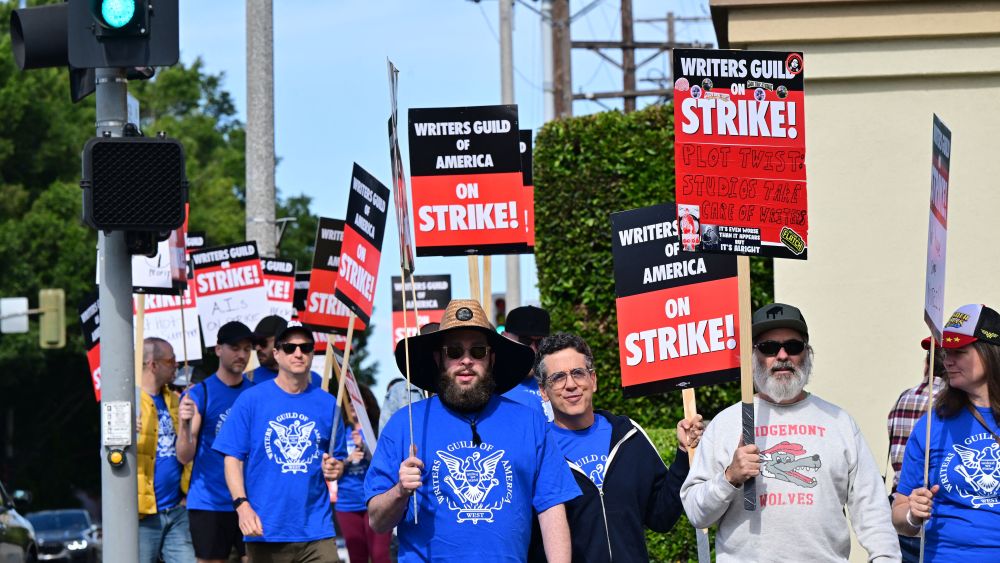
<point>965,461</point>
<point>474,499</point>
<point>351,487</point>
<point>526,392</point>
<point>587,448</point>
<point>281,439</point>
<point>167,470</point>
<point>208,489</point>
<point>264,373</point>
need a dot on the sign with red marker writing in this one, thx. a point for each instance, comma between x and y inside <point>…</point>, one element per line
<point>322,311</point>
<point>678,313</point>
<point>162,319</point>
<point>229,282</point>
<point>528,179</point>
<point>937,228</point>
<point>468,193</point>
<point>90,322</point>
<point>740,152</point>
<point>279,279</point>
<point>362,248</point>
<point>432,296</point>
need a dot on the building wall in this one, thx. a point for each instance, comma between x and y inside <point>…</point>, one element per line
<point>875,74</point>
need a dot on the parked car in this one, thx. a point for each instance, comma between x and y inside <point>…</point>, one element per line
<point>66,535</point>
<point>17,537</point>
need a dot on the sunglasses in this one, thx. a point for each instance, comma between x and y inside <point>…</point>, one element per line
<point>456,352</point>
<point>772,347</point>
<point>529,340</point>
<point>289,347</point>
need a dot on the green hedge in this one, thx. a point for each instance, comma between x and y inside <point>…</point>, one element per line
<point>584,169</point>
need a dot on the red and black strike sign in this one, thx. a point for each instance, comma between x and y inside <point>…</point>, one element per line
<point>432,296</point>
<point>468,192</point>
<point>528,179</point>
<point>279,279</point>
<point>740,152</point>
<point>678,313</point>
<point>321,310</point>
<point>362,248</point>
<point>90,322</point>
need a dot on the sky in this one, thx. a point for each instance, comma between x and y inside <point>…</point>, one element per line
<point>332,93</point>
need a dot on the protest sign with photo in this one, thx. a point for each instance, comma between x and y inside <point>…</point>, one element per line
<point>361,252</point>
<point>279,279</point>
<point>432,296</point>
<point>90,322</point>
<point>399,177</point>
<point>322,311</point>
<point>937,228</point>
<point>162,319</point>
<point>465,170</point>
<point>528,179</point>
<point>739,152</point>
<point>229,282</point>
<point>678,313</point>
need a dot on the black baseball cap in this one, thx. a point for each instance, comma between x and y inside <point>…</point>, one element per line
<point>268,327</point>
<point>286,331</point>
<point>779,315</point>
<point>528,321</point>
<point>234,332</point>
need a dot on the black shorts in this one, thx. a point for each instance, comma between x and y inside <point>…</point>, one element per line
<point>214,534</point>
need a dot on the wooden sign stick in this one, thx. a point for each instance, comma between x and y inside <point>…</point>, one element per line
<point>487,282</point>
<point>345,364</point>
<point>140,327</point>
<point>927,438</point>
<point>406,350</point>
<point>746,372</point>
<point>474,277</point>
<point>701,534</point>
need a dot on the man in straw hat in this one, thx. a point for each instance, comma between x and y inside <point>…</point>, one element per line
<point>489,460</point>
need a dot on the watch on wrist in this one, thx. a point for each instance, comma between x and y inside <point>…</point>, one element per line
<point>238,501</point>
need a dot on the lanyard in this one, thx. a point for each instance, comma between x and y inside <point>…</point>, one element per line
<point>979,418</point>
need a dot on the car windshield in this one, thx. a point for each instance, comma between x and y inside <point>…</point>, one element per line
<point>69,520</point>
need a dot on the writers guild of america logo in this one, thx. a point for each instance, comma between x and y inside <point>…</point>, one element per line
<point>292,441</point>
<point>166,438</point>
<point>474,481</point>
<point>222,418</point>
<point>973,470</point>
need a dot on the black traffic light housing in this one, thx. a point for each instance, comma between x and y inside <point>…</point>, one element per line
<point>135,184</point>
<point>148,38</point>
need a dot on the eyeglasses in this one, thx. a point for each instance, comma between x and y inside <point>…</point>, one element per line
<point>558,379</point>
<point>289,347</point>
<point>457,351</point>
<point>772,347</point>
<point>529,340</point>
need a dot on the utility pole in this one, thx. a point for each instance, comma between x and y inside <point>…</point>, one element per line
<point>562,83</point>
<point>547,80</point>
<point>628,56</point>
<point>507,97</point>
<point>119,484</point>
<point>260,194</point>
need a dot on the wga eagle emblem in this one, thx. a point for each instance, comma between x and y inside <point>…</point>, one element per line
<point>981,470</point>
<point>166,439</point>
<point>471,479</point>
<point>294,442</point>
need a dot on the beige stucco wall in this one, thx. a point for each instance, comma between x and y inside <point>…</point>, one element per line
<point>876,71</point>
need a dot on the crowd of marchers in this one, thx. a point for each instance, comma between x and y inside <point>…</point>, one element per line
<point>493,451</point>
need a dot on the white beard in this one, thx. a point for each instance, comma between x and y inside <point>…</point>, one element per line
<point>785,388</point>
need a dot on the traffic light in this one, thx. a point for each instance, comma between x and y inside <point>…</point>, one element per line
<point>52,322</point>
<point>122,33</point>
<point>135,184</point>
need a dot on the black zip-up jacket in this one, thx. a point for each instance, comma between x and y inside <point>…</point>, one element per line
<point>639,492</point>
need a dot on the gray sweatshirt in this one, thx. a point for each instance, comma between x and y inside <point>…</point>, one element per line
<point>815,462</point>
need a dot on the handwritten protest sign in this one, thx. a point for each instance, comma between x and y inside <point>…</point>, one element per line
<point>229,282</point>
<point>740,152</point>
<point>678,313</point>
<point>468,192</point>
<point>937,228</point>
<point>432,296</point>
<point>162,319</point>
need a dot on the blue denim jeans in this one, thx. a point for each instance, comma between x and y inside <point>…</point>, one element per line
<point>167,535</point>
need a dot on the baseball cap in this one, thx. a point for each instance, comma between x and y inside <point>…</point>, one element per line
<point>528,321</point>
<point>268,327</point>
<point>234,332</point>
<point>972,323</point>
<point>778,315</point>
<point>285,331</point>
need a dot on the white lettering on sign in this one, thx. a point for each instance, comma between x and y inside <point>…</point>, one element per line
<point>469,217</point>
<point>369,194</point>
<point>278,290</point>
<point>326,304</point>
<point>646,233</point>
<point>331,234</point>
<point>224,280</point>
<point>464,161</point>
<point>357,276</point>
<point>744,118</point>
<point>686,339</point>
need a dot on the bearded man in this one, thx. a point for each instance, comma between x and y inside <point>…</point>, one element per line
<point>810,454</point>
<point>479,462</point>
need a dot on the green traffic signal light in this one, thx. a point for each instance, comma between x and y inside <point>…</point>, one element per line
<point>117,13</point>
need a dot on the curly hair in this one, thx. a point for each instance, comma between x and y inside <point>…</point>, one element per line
<point>555,343</point>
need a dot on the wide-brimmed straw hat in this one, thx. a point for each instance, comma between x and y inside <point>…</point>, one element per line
<point>512,360</point>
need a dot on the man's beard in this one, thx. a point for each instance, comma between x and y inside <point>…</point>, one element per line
<point>784,388</point>
<point>470,399</point>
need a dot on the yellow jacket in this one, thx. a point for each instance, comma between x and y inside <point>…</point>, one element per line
<point>146,449</point>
